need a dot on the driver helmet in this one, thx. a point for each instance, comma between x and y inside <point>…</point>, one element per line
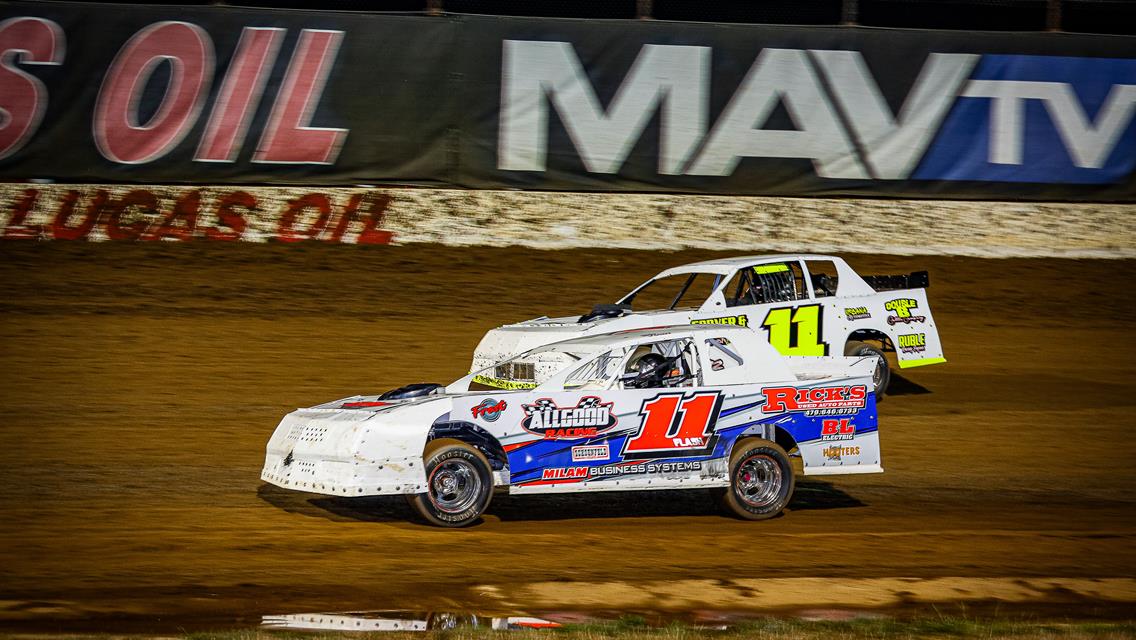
<point>645,363</point>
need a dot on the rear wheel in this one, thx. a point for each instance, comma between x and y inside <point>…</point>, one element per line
<point>459,484</point>
<point>761,480</point>
<point>881,377</point>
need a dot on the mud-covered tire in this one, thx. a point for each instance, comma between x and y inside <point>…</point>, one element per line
<point>459,484</point>
<point>882,376</point>
<point>761,480</point>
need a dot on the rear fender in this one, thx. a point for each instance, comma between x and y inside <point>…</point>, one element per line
<point>842,442</point>
<point>907,321</point>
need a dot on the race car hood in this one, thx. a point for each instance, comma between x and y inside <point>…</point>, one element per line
<point>354,446</point>
<point>509,340</point>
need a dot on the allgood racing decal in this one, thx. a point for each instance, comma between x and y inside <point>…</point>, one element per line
<point>817,401</point>
<point>590,417</point>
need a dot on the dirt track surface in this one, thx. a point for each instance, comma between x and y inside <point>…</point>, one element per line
<point>140,383</point>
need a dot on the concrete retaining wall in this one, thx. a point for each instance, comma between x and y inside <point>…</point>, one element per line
<point>550,220</point>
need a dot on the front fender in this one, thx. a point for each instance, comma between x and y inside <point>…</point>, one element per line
<point>352,452</point>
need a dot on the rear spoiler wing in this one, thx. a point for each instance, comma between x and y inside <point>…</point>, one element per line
<point>913,280</point>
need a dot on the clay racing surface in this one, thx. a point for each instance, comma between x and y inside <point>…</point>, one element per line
<point>141,382</point>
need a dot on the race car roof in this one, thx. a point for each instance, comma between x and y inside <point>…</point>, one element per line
<point>726,266</point>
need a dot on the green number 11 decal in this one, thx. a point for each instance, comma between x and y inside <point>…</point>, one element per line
<point>796,331</point>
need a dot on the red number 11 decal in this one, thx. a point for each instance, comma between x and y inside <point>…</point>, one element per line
<point>675,426</point>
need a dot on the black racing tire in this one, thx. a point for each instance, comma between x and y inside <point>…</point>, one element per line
<point>459,484</point>
<point>882,376</point>
<point>761,480</point>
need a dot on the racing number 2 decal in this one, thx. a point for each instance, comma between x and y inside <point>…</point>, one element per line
<point>796,331</point>
<point>676,426</point>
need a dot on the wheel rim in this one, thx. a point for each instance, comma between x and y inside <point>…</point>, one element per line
<point>758,482</point>
<point>878,374</point>
<point>454,486</point>
<point>449,621</point>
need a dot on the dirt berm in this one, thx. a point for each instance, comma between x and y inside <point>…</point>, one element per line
<point>141,382</point>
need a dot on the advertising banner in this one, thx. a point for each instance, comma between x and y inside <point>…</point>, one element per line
<point>220,95</point>
<point>808,111</point>
<point>209,95</point>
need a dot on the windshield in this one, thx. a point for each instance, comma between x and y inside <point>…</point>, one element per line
<point>682,291</point>
<point>597,373</point>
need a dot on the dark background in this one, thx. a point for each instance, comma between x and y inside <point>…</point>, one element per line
<point>1082,16</point>
<point>420,90</point>
<point>421,97</point>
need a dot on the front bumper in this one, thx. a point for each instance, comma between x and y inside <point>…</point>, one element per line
<point>345,477</point>
<point>343,453</point>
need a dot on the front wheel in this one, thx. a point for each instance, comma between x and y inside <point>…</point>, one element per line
<point>881,377</point>
<point>761,480</point>
<point>459,484</point>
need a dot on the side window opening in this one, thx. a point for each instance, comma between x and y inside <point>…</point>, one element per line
<point>759,284</point>
<point>672,363</point>
<point>721,354</point>
<point>597,373</point>
<point>736,289</point>
<point>824,277</point>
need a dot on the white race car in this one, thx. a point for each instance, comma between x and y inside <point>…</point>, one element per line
<point>693,406</point>
<point>806,305</point>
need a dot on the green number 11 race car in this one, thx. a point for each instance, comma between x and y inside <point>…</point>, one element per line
<point>805,305</point>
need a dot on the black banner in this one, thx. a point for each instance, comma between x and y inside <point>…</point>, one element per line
<point>221,95</point>
<point>224,95</point>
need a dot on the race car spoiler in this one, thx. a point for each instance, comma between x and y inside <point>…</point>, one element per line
<point>913,280</point>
